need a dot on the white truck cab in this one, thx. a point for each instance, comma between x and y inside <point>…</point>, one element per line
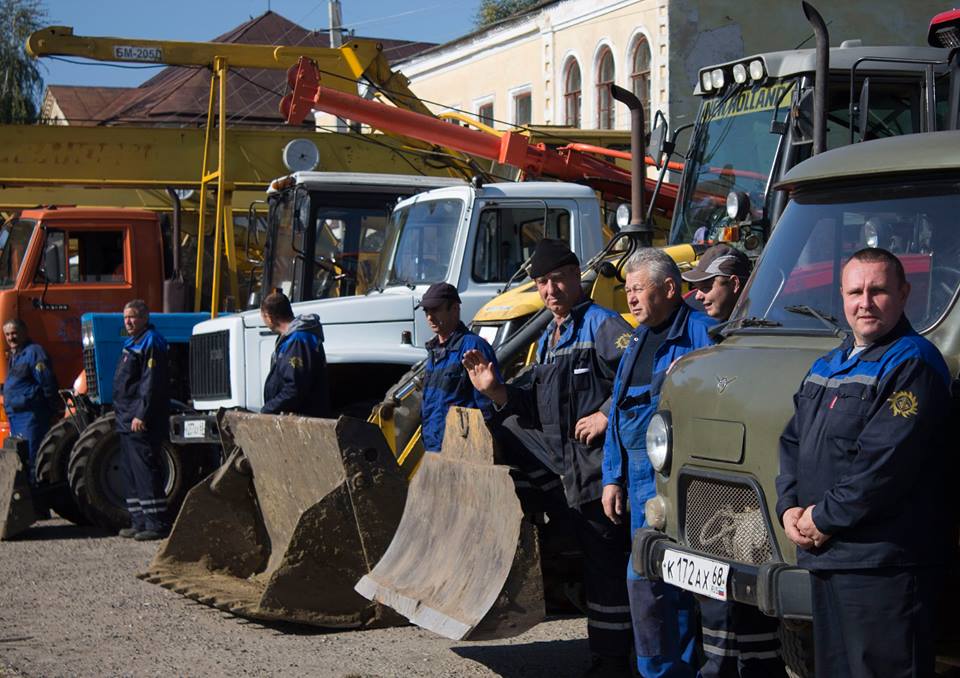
<point>473,237</point>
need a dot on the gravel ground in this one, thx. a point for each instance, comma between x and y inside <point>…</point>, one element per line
<point>70,605</point>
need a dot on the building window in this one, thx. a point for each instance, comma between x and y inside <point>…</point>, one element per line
<point>522,109</point>
<point>605,78</point>
<point>485,113</point>
<point>640,77</point>
<point>572,93</point>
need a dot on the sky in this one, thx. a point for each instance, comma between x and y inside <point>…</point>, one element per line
<point>201,20</point>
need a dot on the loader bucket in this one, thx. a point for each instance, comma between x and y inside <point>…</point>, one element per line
<point>464,562</point>
<point>301,509</point>
<point>17,511</point>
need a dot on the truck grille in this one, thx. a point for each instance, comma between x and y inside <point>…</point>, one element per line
<point>726,519</point>
<point>90,370</point>
<point>210,366</point>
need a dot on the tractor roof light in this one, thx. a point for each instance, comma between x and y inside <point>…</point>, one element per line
<point>716,78</point>
<point>705,81</point>
<point>945,29</point>
<point>739,74</point>
<point>757,71</point>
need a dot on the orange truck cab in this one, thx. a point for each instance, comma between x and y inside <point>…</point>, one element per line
<point>58,263</point>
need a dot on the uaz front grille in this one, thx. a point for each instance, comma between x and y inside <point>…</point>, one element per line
<point>90,371</point>
<point>210,366</point>
<point>725,519</point>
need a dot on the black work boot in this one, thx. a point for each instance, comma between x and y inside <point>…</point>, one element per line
<point>151,535</point>
<point>614,667</point>
<point>128,532</point>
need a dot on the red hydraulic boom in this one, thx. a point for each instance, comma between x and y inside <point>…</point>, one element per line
<point>534,160</point>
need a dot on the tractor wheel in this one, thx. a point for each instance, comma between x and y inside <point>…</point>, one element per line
<point>53,457</point>
<point>97,481</point>
<point>796,648</point>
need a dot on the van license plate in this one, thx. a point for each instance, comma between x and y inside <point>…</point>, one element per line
<point>194,428</point>
<point>693,573</point>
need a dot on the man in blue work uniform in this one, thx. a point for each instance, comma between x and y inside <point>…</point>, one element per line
<point>862,484</point>
<point>739,641</point>
<point>446,383</point>
<point>554,424</point>
<point>297,381</point>
<point>142,407</point>
<point>30,391</point>
<point>664,617</point>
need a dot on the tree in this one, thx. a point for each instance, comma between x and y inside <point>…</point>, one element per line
<point>21,84</point>
<point>491,11</point>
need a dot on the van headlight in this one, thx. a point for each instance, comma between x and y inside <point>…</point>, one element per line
<point>659,441</point>
<point>86,336</point>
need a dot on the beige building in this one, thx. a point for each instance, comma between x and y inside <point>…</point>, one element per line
<point>550,65</point>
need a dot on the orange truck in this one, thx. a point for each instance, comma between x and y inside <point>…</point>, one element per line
<point>57,263</point>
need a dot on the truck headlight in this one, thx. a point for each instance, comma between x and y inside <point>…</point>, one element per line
<point>86,336</point>
<point>659,441</point>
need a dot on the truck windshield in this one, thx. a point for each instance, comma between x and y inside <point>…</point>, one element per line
<point>419,243</point>
<point>818,232</point>
<point>733,150</point>
<point>14,238</point>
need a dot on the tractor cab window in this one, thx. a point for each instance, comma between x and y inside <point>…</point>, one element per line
<point>507,236</point>
<point>14,238</point>
<point>819,231</point>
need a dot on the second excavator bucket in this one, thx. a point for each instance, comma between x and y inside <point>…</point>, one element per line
<point>17,511</point>
<point>464,562</point>
<point>301,509</point>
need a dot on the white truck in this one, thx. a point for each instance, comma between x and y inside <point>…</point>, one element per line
<point>470,235</point>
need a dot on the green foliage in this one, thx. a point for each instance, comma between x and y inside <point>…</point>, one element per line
<point>21,84</point>
<point>491,11</point>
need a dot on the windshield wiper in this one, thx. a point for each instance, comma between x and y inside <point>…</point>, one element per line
<point>403,282</point>
<point>750,321</point>
<point>828,320</point>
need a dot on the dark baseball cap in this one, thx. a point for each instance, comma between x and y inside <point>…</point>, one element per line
<point>437,295</point>
<point>720,260</point>
<point>549,255</point>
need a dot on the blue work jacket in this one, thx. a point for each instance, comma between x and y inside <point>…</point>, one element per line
<point>140,385</point>
<point>297,381</point>
<point>446,383</point>
<point>625,459</point>
<point>31,385</point>
<point>570,380</point>
<point>866,446</point>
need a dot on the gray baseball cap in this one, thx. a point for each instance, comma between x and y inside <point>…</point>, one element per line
<point>720,260</point>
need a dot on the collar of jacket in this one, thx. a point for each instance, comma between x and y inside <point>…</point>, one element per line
<point>138,336</point>
<point>573,318</point>
<point>451,341</point>
<point>875,351</point>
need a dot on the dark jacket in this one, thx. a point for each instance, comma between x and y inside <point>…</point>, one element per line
<point>625,461</point>
<point>865,446</point>
<point>140,386</point>
<point>570,381</point>
<point>446,383</point>
<point>297,382</point>
<point>31,385</point>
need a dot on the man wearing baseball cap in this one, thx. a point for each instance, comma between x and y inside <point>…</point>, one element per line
<point>446,382</point>
<point>718,279</point>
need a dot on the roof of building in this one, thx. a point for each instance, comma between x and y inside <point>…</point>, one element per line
<point>178,95</point>
<point>80,104</point>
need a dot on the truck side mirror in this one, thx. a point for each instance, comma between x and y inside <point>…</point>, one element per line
<point>802,115</point>
<point>53,262</point>
<point>658,139</point>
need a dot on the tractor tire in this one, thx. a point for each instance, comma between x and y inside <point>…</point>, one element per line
<point>53,457</point>
<point>96,477</point>
<point>796,648</point>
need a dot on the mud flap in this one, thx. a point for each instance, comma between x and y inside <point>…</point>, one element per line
<point>17,511</point>
<point>301,509</point>
<point>464,562</point>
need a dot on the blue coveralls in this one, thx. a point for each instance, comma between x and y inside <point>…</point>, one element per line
<point>664,617</point>
<point>867,446</point>
<point>297,381</point>
<point>29,396</point>
<point>446,383</point>
<point>572,379</point>
<point>140,391</point>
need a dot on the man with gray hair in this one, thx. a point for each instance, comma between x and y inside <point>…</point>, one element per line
<point>664,617</point>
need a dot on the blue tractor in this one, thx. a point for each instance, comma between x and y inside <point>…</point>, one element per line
<point>78,463</point>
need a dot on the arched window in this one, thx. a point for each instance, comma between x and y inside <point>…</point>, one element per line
<point>605,78</point>
<point>640,76</point>
<point>572,94</point>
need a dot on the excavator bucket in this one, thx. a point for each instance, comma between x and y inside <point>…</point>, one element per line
<point>301,509</point>
<point>17,511</point>
<point>464,562</point>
